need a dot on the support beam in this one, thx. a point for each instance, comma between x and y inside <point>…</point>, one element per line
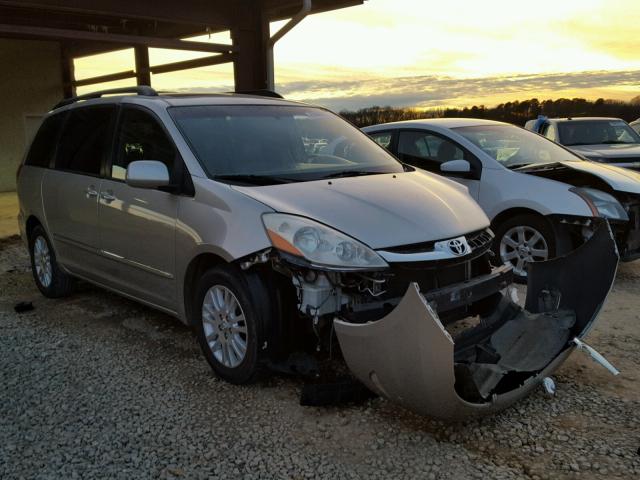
<point>27,31</point>
<point>195,63</point>
<point>143,74</point>
<point>250,39</point>
<point>68,73</point>
<point>112,77</point>
<point>165,68</point>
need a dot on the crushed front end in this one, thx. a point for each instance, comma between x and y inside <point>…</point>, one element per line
<point>413,357</point>
<point>435,327</point>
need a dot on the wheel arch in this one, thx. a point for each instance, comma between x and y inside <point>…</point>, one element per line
<point>31,223</point>
<point>197,266</point>
<point>512,212</point>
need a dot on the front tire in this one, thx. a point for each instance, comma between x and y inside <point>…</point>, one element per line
<point>49,277</point>
<point>523,239</point>
<point>232,312</point>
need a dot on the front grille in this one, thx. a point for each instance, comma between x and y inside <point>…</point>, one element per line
<point>412,248</point>
<point>479,240</point>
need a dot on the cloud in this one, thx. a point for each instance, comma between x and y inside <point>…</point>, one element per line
<point>431,91</point>
<point>434,91</point>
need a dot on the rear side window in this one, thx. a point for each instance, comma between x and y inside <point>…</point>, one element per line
<point>85,140</point>
<point>141,137</point>
<point>43,146</point>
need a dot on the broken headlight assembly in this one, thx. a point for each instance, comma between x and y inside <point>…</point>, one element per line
<point>320,245</point>
<point>602,204</point>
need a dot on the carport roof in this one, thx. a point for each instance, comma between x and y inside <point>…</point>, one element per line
<point>94,27</point>
<point>90,27</point>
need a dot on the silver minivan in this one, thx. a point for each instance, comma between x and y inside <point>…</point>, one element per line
<point>288,239</point>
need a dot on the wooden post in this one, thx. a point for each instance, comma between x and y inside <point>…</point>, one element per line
<point>250,36</point>
<point>143,74</point>
<point>68,73</point>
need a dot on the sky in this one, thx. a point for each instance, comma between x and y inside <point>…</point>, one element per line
<point>426,54</point>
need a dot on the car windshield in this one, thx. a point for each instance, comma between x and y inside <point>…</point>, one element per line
<point>268,144</point>
<point>596,132</point>
<point>515,147</point>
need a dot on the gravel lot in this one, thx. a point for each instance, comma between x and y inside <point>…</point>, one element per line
<point>95,386</point>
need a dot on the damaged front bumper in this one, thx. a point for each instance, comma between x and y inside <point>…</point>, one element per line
<point>410,358</point>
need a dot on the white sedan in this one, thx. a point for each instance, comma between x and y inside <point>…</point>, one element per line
<point>542,199</point>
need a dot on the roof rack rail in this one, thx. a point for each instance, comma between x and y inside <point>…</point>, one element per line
<point>261,93</point>
<point>139,90</point>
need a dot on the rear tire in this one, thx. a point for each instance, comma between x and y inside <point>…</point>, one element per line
<point>523,239</point>
<point>49,277</point>
<point>232,313</point>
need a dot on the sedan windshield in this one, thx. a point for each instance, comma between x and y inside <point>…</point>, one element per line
<point>268,144</point>
<point>515,147</point>
<point>596,132</point>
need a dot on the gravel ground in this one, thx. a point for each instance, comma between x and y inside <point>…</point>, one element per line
<point>95,386</point>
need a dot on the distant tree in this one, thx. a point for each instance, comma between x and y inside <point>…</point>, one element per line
<point>517,112</point>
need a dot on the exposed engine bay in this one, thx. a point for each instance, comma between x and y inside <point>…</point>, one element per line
<point>445,337</point>
<point>626,232</point>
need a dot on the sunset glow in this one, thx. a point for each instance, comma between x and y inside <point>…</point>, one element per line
<point>427,53</point>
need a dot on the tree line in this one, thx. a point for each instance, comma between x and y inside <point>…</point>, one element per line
<point>517,112</point>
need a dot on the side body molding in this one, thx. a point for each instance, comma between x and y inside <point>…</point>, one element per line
<point>409,357</point>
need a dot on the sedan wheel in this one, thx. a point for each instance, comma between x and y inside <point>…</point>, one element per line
<point>224,325</point>
<point>521,245</point>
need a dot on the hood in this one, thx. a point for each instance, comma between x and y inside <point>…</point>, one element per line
<point>385,210</point>
<point>612,151</point>
<point>620,179</point>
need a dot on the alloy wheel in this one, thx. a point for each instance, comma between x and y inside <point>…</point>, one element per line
<point>225,326</point>
<point>42,261</point>
<point>521,245</point>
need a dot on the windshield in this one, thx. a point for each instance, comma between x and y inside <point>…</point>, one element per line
<point>515,147</point>
<point>266,144</point>
<point>596,132</point>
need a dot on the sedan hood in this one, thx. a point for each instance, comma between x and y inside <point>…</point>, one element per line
<point>620,179</point>
<point>613,151</point>
<point>384,210</point>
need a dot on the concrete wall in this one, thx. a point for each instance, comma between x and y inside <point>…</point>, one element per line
<point>30,84</point>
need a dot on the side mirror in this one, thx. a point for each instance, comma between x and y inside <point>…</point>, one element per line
<point>147,174</point>
<point>456,166</point>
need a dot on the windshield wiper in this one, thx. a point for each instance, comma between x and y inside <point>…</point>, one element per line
<point>614,142</point>
<point>350,173</point>
<point>251,179</point>
<point>518,165</point>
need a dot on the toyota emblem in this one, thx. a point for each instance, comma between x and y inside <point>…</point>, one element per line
<point>457,246</point>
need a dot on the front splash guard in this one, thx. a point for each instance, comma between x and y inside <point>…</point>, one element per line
<point>409,357</point>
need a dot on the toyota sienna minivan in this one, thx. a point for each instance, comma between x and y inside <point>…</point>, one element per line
<point>279,231</point>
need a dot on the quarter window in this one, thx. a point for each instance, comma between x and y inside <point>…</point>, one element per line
<point>140,138</point>
<point>44,144</point>
<point>427,151</point>
<point>86,140</point>
<point>382,138</point>
<point>549,131</point>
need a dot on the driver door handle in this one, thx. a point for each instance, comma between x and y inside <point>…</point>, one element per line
<point>91,191</point>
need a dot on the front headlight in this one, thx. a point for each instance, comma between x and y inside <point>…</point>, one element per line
<point>318,243</point>
<point>602,204</point>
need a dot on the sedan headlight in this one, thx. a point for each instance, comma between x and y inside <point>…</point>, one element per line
<point>318,243</point>
<point>602,204</point>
